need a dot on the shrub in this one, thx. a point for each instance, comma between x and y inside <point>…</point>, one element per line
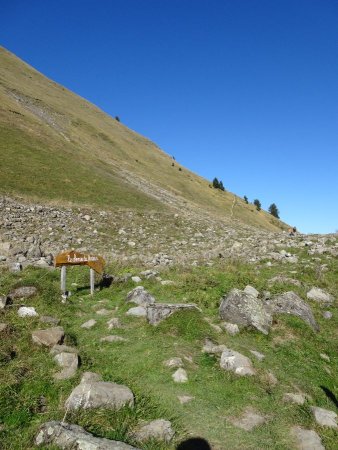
<point>273,210</point>
<point>246,199</point>
<point>258,204</point>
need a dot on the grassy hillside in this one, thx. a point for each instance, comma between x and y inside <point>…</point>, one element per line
<point>57,146</point>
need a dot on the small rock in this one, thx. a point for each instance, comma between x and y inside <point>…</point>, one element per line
<point>212,348</point>
<point>137,311</point>
<point>89,324</point>
<point>183,399</point>
<point>131,244</point>
<point>23,292</point>
<point>49,337</point>
<point>327,315</point>
<point>87,217</point>
<point>251,291</point>
<point>136,279</point>
<point>159,430</point>
<point>27,311</point>
<point>258,355</point>
<point>113,338</point>
<point>180,376</point>
<point>114,323</point>
<point>103,312</point>
<point>140,296</point>
<point>173,363</point>
<point>237,363</point>
<point>307,439</point>
<point>249,420</point>
<point>325,417</point>
<point>3,327</point>
<point>167,283</point>
<point>49,319</point>
<point>69,363</point>
<point>320,296</point>
<point>230,328</point>
<point>298,399</point>
<point>325,357</point>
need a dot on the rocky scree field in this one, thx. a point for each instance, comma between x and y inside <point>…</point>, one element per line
<point>250,363</point>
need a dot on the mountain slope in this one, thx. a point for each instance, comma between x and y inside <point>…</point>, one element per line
<point>57,146</point>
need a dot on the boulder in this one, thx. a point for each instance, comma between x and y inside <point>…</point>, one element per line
<point>246,310</point>
<point>325,417</point>
<point>291,303</point>
<point>49,337</point>
<point>159,311</point>
<point>307,439</point>
<point>99,394</point>
<point>66,436</point>
<point>159,430</point>
<point>27,311</point>
<point>236,362</point>
<point>23,292</point>
<point>140,296</point>
<point>320,296</point>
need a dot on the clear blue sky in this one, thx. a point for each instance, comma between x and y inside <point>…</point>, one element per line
<point>245,90</point>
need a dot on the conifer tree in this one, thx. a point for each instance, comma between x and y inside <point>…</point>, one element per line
<point>273,210</point>
<point>258,204</point>
<point>246,199</point>
<point>215,183</point>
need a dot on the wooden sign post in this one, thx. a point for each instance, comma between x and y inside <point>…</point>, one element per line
<point>73,258</point>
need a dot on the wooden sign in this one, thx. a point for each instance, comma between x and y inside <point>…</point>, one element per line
<point>74,258</point>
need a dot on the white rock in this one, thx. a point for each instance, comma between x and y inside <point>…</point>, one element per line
<point>251,290</point>
<point>236,362</point>
<point>136,279</point>
<point>27,311</point>
<point>325,417</point>
<point>320,296</point>
<point>230,328</point>
<point>131,244</point>
<point>307,439</point>
<point>180,376</point>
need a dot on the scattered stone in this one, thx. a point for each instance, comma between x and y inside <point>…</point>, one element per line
<point>325,357</point>
<point>114,323</point>
<point>140,296</point>
<point>137,311</point>
<point>27,311</point>
<point>258,355</point>
<point>173,363</point>
<point>136,279</point>
<point>167,283</point>
<point>251,291</point>
<point>89,324</point>
<point>3,327</point>
<point>320,296</point>
<point>236,362</point>
<point>244,309</point>
<point>298,399</point>
<point>160,311</point>
<point>57,349</point>
<point>324,417</point>
<point>180,376</point>
<point>99,394</point>
<point>69,363</point>
<point>327,315</point>
<point>183,399</point>
<point>283,279</point>
<point>248,420</point>
<point>159,430</point>
<point>290,303</point>
<point>49,319</point>
<point>113,338</point>
<point>23,292</point>
<point>49,337</point>
<point>131,244</point>
<point>307,439</point>
<point>212,348</point>
<point>149,274</point>
<point>66,436</point>
<point>230,328</point>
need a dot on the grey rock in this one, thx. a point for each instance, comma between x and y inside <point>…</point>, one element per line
<point>69,363</point>
<point>325,357</point>
<point>258,355</point>
<point>140,296</point>
<point>297,398</point>
<point>248,420</point>
<point>325,417</point>
<point>114,323</point>
<point>3,327</point>
<point>291,303</point>
<point>237,363</point>
<point>167,282</point>
<point>283,279</point>
<point>113,338</point>
<point>320,296</point>
<point>99,394</point>
<point>251,291</point>
<point>103,312</point>
<point>56,349</point>
<point>136,279</point>
<point>159,430</point>
<point>137,311</point>
<point>212,348</point>
<point>173,363</point>
<point>66,436</point>
<point>27,311</point>
<point>160,311</point>
<point>307,439</point>
<point>49,319</point>
<point>49,337</point>
<point>180,376</point>
<point>327,315</point>
<point>230,328</point>
<point>245,310</point>
<point>89,324</point>
<point>23,292</point>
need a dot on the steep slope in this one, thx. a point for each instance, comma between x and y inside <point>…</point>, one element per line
<point>56,146</point>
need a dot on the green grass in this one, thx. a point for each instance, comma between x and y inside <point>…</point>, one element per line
<point>292,354</point>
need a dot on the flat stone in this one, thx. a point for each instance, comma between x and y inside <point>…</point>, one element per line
<point>230,328</point>
<point>23,292</point>
<point>140,297</point>
<point>236,362</point>
<point>159,430</point>
<point>137,311</point>
<point>324,417</point>
<point>66,436</point>
<point>180,376</point>
<point>69,363</point>
<point>114,323</point>
<point>99,394</point>
<point>320,296</point>
<point>248,420</point>
<point>173,363</point>
<point>49,337</point>
<point>183,399</point>
<point>258,355</point>
<point>245,310</point>
<point>49,319</point>
<point>89,324</point>
<point>307,439</point>
<point>27,311</point>
<point>157,312</point>
<point>113,338</point>
<point>298,398</point>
